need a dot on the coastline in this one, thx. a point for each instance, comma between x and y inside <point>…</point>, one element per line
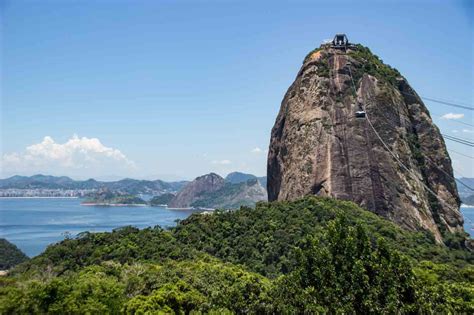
<point>39,197</point>
<point>192,208</point>
<point>92,204</point>
<point>170,208</point>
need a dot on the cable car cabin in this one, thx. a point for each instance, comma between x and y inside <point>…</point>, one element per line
<point>360,114</point>
<point>340,41</point>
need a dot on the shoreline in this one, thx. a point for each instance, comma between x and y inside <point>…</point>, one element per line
<point>38,197</point>
<point>92,204</point>
<point>170,208</point>
<point>192,208</point>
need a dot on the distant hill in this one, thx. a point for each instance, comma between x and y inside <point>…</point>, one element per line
<point>238,177</point>
<point>161,199</point>
<point>463,190</point>
<point>107,197</point>
<point>36,181</point>
<point>195,190</point>
<point>10,255</point>
<point>128,185</point>
<point>232,196</point>
<point>468,200</point>
<point>213,191</point>
<point>466,194</point>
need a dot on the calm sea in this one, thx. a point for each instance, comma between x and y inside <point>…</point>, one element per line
<point>34,223</point>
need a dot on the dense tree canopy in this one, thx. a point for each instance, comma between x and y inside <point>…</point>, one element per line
<point>10,255</point>
<point>311,255</point>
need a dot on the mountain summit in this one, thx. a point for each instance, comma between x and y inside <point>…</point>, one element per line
<point>351,127</point>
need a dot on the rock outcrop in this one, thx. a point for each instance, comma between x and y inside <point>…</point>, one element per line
<point>319,147</point>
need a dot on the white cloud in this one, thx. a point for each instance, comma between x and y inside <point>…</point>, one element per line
<point>258,151</point>
<point>452,116</point>
<point>75,157</point>
<point>468,130</point>
<point>221,162</point>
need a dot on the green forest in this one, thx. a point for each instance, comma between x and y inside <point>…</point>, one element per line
<point>313,255</point>
<point>10,255</point>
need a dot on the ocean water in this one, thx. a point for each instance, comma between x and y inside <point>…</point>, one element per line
<point>34,223</point>
<point>468,214</point>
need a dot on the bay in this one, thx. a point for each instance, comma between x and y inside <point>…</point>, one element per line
<point>34,223</point>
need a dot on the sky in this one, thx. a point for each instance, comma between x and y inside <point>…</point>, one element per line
<point>177,89</point>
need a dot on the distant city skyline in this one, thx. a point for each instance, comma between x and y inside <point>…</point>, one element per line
<point>174,90</point>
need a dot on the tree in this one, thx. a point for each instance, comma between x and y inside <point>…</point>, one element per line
<point>345,271</point>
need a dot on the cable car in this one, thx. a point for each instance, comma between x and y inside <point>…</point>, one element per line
<point>360,114</point>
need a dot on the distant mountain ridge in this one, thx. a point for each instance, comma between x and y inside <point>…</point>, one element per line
<point>466,194</point>
<point>132,186</point>
<point>463,190</point>
<point>207,191</point>
<point>238,177</point>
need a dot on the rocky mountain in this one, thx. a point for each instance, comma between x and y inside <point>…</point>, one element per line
<point>131,186</point>
<point>194,190</point>
<point>232,196</point>
<point>213,191</point>
<point>391,162</point>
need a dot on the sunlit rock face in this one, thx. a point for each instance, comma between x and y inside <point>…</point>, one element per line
<point>318,145</point>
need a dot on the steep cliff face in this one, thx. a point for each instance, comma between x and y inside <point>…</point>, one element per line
<point>319,147</point>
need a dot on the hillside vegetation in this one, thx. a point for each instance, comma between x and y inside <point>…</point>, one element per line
<point>311,255</point>
<point>161,199</point>
<point>10,255</point>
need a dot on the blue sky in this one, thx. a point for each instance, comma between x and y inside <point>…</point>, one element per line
<point>176,89</point>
